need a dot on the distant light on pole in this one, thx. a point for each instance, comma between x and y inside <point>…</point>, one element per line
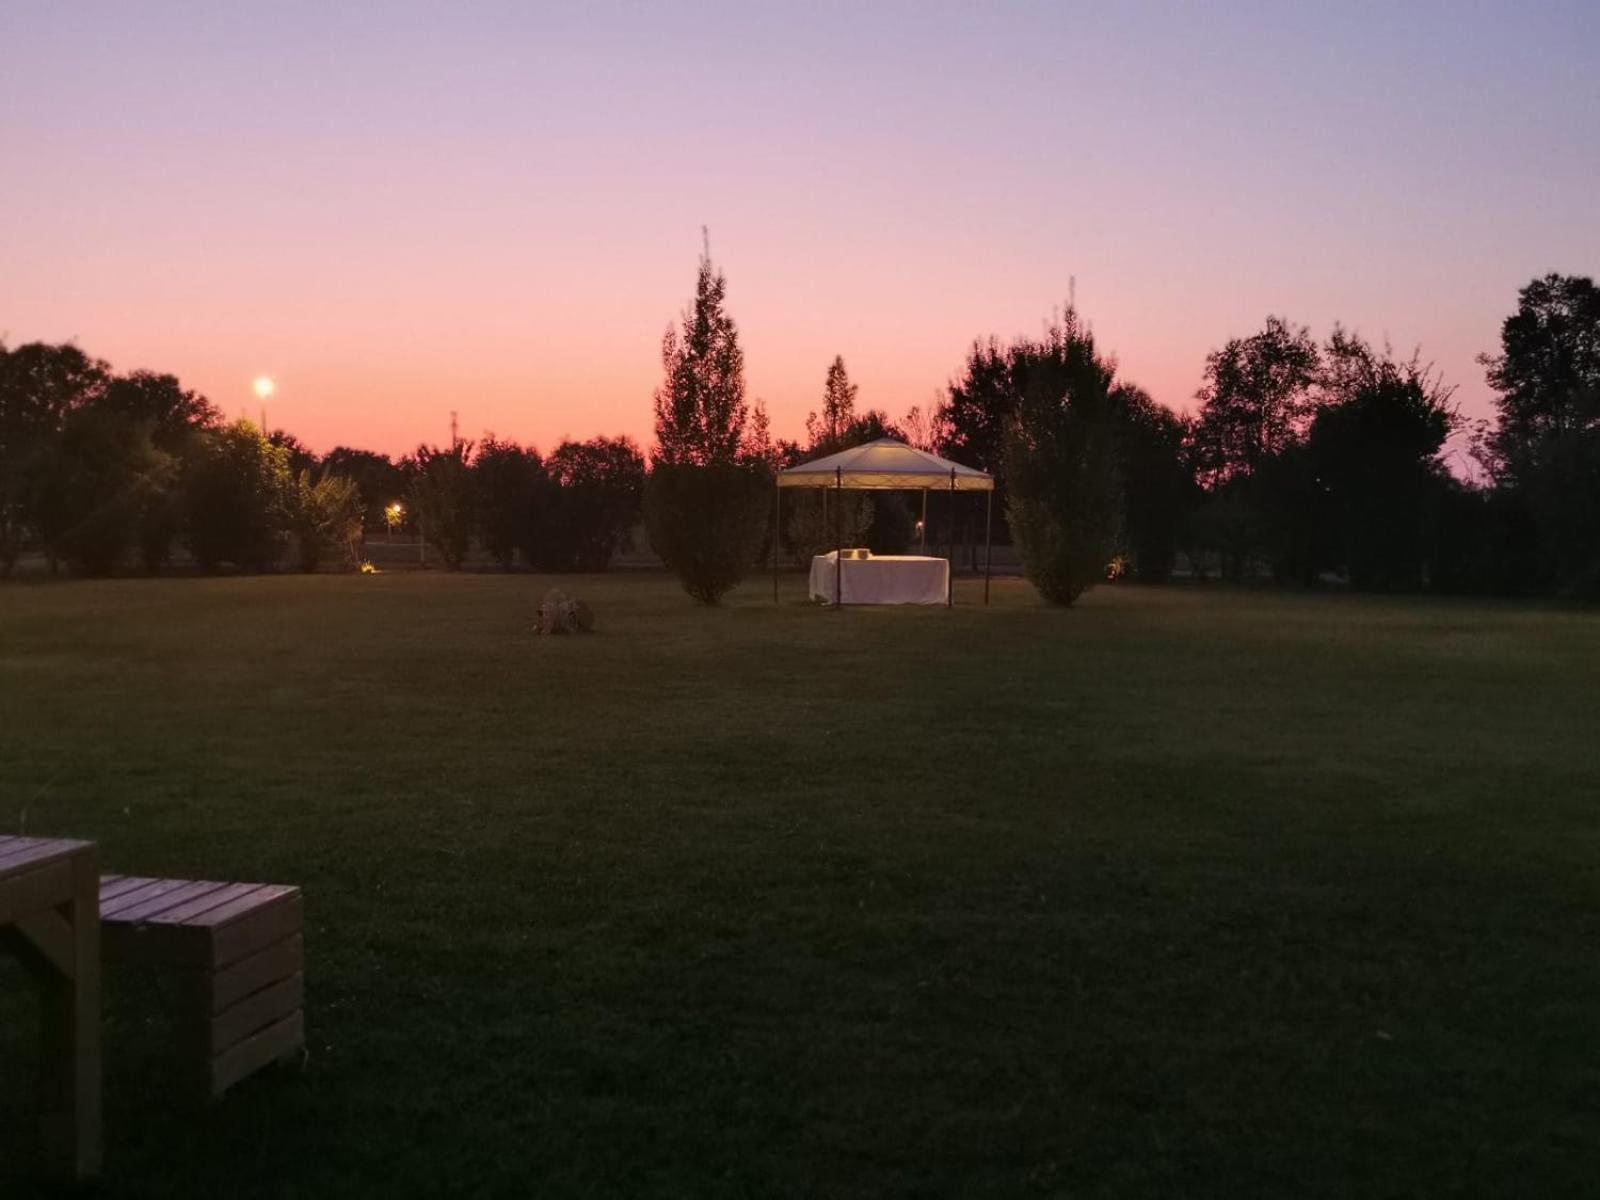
<point>264,387</point>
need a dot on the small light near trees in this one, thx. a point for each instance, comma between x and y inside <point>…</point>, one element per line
<point>264,386</point>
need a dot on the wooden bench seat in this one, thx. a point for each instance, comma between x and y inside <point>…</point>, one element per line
<point>239,949</point>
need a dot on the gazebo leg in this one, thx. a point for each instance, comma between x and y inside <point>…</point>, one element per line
<point>988,541</point>
<point>950,547</point>
<point>838,538</point>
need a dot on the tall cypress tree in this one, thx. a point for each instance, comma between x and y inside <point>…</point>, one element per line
<point>706,501</point>
<point>827,429</point>
<point>700,406</point>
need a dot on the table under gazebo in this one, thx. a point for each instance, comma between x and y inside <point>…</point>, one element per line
<point>855,577</point>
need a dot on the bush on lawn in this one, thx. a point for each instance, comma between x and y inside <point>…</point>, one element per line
<point>1065,500</point>
<point>235,494</point>
<point>325,515</point>
<point>707,522</point>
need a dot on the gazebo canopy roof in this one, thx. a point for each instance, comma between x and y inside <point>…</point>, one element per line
<point>885,465</point>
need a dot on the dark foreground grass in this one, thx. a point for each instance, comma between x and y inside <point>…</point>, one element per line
<point>1184,892</point>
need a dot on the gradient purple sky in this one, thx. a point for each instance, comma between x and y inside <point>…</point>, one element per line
<point>410,208</point>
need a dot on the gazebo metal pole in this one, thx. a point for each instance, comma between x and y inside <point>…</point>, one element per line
<point>950,577</point>
<point>838,537</point>
<point>988,541</point>
<point>924,525</point>
<point>777,525</point>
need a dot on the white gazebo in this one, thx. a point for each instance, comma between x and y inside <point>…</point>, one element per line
<point>886,465</point>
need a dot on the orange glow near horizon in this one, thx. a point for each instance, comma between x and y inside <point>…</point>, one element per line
<point>501,216</point>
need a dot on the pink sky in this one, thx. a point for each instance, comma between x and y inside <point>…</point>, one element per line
<point>497,210</point>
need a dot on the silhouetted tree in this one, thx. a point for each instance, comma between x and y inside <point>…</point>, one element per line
<point>1256,400</point>
<point>324,514</point>
<point>1157,487</point>
<point>508,477</point>
<point>970,426</point>
<point>1374,450</point>
<point>1244,448</point>
<point>1065,499</point>
<point>1548,367</point>
<point>95,483</point>
<point>917,427</point>
<point>235,487</point>
<point>376,476</point>
<point>827,428</point>
<point>758,446</point>
<point>1546,441</point>
<point>818,519</point>
<point>172,412</point>
<point>706,500</point>
<point>587,504</point>
<point>700,406</point>
<point>443,500</point>
<point>40,384</point>
<point>301,456</point>
<point>707,522</point>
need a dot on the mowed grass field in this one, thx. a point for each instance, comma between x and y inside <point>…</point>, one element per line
<point>1186,891</point>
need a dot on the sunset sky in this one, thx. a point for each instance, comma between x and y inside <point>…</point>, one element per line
<point>405,209</point>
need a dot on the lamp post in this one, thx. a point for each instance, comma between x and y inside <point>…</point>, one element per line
<point>263,388</point>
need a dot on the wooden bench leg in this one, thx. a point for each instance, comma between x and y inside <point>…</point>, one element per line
<point>71,1004</point>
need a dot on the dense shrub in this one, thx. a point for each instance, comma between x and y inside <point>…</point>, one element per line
<point>585,504</point>
<point>1065,500</point>
<point>94,486</point>
<point>707,522</point>
<point>443,500</point>
<point>817,520</point>
<point>324,514</point>
<point>893,525</point>
<point>508,477</point>
<point>235,487</point>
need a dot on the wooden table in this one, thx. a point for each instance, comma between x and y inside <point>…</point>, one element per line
<point>50,916</point>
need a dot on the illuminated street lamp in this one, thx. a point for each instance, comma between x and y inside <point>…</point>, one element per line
<point>264,387</point>
<point>393,515</point>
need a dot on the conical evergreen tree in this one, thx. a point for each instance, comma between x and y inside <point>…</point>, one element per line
<point>827,429</point>
<point>700,406</point>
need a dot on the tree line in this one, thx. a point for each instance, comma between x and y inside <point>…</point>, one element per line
<point>1305,461</point>
<point>98,470</point>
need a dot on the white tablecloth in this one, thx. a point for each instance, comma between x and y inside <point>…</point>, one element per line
<point>889,579</point>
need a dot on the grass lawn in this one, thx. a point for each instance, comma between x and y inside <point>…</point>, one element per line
<point>1184,892</point>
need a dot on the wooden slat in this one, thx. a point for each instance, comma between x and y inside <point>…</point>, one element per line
<point>143,905</point>
<point>268,893</point>
<point>112,886</point>
<point>201,900</point>
<point>194,911</point>
<point>256,1051</point>
<point>28,850</point>
<point>228,986</point>
<point>255,1012</point>
<point>247,933</point>
<point>146,889</point>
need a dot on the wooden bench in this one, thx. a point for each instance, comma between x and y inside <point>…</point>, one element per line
<point>239,950</point>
